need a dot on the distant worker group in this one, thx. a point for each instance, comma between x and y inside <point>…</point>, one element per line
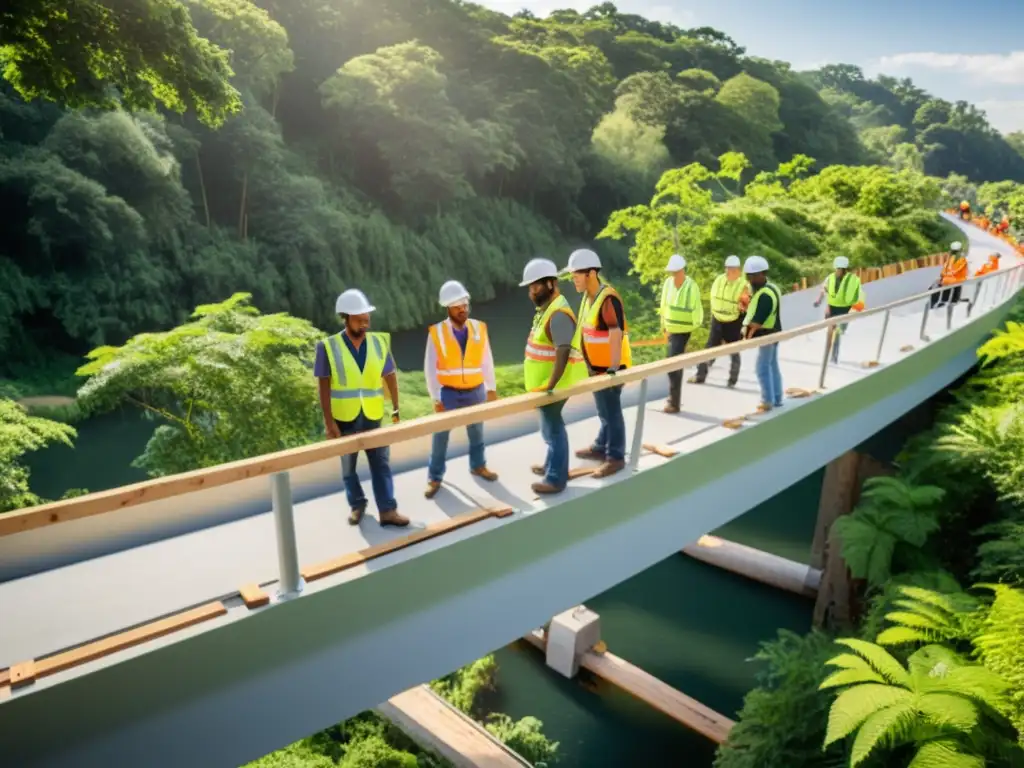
<point>355,367</point>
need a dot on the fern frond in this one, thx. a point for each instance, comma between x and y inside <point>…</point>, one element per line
<point>850,677</point>
<point>880,659</point>
<point>855,705</point>
<point>903,636</point>
<point>946,710</point>
<point>885,726</point>
<point>945,753</point>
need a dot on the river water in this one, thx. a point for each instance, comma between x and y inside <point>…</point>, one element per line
<point>691,625</point>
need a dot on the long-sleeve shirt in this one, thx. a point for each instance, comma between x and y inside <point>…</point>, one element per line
<point>430,364</point>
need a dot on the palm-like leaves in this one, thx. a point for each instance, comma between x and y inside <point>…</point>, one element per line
<point>937,701</point>
<point>991,441</point>
<point>930,617</point>
<point>891,512</point>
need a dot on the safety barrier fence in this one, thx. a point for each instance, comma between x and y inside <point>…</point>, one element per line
<point>990,290</point>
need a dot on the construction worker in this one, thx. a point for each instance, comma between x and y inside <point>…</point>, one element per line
<point>764,317</point>
<point>681,311</point>
<point>730,294</point>
<point>954,272</point>
<point>965,211</point>
<point>603,336</point>
<point>553,361</point>
<point>459,369</point>
<point>844,291</point>
<point>1004,226</point>
<point>991,265</point>
<point>352,369</point>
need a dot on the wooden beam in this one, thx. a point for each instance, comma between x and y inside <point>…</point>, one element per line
<point>666,452</point>
<point>27,672</point>
<point>282,461</point>
<point>352,559</point>
<point>253,596</point>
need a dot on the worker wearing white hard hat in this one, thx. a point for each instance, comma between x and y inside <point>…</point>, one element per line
<point>459,369</point>
<point>764,318</point>
<point>353,368</point>
<point>553,361</point>
<point>954,272</point>
<point>681,313</point>
<point>730,295</point>
<point>603,335</point>
<point>844,292</point>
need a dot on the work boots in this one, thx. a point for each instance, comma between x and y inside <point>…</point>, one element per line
<point>609,468</point>
<point>485,474</point>
<point>394,519</point>
<point>591,454</point>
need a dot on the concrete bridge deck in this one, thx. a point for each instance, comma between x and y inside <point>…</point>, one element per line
<point>48,610</point>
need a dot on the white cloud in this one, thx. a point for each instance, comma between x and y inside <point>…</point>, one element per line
<point>1007,69</point>
<point>1006,116</point>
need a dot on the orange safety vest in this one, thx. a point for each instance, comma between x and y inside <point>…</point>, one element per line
<point>455,369</point>
<point>596,344</point>
<point>954,271</point>
<point>989,266</point>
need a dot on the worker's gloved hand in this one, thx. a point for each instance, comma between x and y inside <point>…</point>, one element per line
<point>394,416</point>
<point>438,407</point>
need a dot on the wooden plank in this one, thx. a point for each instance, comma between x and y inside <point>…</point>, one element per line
<point>352,559</point>
<point>5,677</point>
<point>253,596</point>
<point>649,689</point>
<point>661,450</point>
<point>436,725</point>
<point>123,640</point>
<point>282,461</point>
<point>577,472</point>
<point>23,673</point>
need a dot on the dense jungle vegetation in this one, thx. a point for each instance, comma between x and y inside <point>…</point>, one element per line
<point>280,151</point>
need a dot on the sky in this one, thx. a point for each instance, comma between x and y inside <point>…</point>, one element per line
<point>956,50</point>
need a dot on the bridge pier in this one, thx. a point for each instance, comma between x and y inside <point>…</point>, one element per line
<point>569,635</point>
<point>840,492</point>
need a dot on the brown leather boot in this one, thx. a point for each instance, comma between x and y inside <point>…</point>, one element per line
<point>394,519</point>
<point>590,453</point>
<point>485,474</point>
<point>432,489</point>
<point>543,489</point>
<point>355,515</point>
<point>670,407</point>
<point>609,468</point>
<point>537,469</point>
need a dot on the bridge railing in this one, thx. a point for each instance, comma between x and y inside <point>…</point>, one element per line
<point>990,291</point>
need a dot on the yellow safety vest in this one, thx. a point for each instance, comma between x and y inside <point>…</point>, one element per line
<point>455,369</point>
<point>846,293</point>
<point>594,342</point>
<point>354,391</point>
<point>773,318</point>
<point>681,308</point>
<point>540,352</point>
<point>725,298</point>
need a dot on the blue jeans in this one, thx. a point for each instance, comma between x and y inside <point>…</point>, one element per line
<point>380,469</point>
<point>552,429</point>
<point>453,399</point>
<point>836,337</point>
<point>769,375</point>
<point>611,439</point>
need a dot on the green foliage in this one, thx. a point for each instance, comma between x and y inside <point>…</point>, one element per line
<point>1000,645</point>
<point>230,384</point>
<point>938,702</point>
<point>141,53</point>
<point>892,520</point>
<point>782,720</point>
<point>463,687</point>
<point>19,434</point>
<point>526,738</point>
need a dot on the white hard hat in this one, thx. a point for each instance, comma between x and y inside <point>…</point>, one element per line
<point>538,269</point>
<point>755,264</point>
<point>676,263</point>
<point>353,302</point>
<point>452,292</point>
<point>732,261</point>
<point>841,262</point>
<point>956,246</point>
<point>583,259</point>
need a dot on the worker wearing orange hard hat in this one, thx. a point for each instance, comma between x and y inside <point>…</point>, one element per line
<point>991,265</point>
<point>954,272</point>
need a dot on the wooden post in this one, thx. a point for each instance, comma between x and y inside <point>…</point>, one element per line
<point>840,492</point>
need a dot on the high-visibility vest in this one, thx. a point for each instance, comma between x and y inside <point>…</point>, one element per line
<point>594,342</point>
<point>455,369</point>
<point>681,309</point>
<point>954,271</point>
<point>725,297</point>
<point>773,317</point>
<point>541,352</point>
<point>989,266</point>
<point>846,293</point>
<point>354,391</point>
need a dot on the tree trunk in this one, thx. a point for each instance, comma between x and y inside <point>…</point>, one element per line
<point>241,207</point>
<point>202,188</point>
